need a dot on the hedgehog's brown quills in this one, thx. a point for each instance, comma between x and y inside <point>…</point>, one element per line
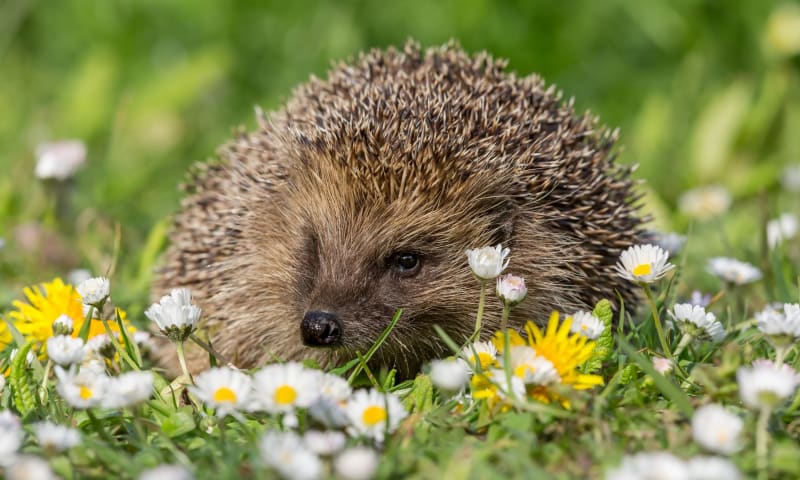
<point>361,195</point>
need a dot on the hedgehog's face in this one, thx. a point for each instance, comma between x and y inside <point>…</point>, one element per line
<point>358,261</point>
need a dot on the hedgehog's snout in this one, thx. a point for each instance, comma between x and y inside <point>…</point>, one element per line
<point>321,329</point>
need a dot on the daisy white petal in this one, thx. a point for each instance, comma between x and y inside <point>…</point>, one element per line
<point>175,314</point>
<point>94,291</point>
<point>285,387</point>
<point>84,389</point>
<point>129,389</point>
<point>450,375</point>
<point>695,321</point>
<point>511,289</point>
<point>59,160</point>
<point>286,454</point>
<point>712,468</point>
<point>705,203</point>
<point>167,472</point>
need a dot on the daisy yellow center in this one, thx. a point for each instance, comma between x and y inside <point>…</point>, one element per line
<point>285,395</point>
<point>373,415</point>
<point>642,269</point>
<point>521,370</point>
<point>484,358</point>
<point>224,395</point>
<point>85,392</point>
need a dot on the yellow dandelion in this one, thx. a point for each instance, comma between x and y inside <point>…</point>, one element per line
<point>566,351</point>
<point>45,303</point>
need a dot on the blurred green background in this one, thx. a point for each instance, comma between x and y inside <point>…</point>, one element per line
<point>703,92</point>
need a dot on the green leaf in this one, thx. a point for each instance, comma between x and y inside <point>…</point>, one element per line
<point>178,423</point>
<point>420,398</point>
<point>667,388</point>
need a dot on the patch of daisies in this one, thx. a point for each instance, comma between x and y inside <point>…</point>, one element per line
<point>321,424</point>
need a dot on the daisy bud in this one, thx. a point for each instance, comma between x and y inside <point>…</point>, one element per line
<point>449,375</point>
<point>662,365</point>
<point>11,436</point>
<point>511,289</point>
<point>94,291</point>
<point>357,463</point>
<point>26,467</point>
<point>706,202</point>
<point>59,160</point>
<point>175,314</point>
<point>102,346</point>
<point>488,263</point>
<point>285,453</point>
<point>712,468</point>
<point>63,326</point>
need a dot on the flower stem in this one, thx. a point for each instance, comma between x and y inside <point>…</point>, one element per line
<point>182,360</point>
<point>476,335</point>
<point>761,442</point>
<point>507,349</point>
<point>686,339</point>
<point>45,376</point>
<point>99,427</point>
<point>780,354</point>
<point>118,346</point>
<point>657,321</point>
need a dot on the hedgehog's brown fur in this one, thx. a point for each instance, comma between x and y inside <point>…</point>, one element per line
<point>432,152</point>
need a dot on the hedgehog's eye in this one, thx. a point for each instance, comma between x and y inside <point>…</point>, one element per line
<point>405,263</point>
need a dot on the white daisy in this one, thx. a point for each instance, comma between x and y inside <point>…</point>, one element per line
<point>764,384</point>
<point>781,229</point>
<point>706,202</point>
<point>129,389</point>
<point>175,314</point>
<point>328,412</point>
<point>733,271</point>
<point>285,453</point>
<point>511,289</point>
<point>712,468</point>
<point>449,375</point>
<point>357,463</point>
<point>56,438</point>
<point>84,389</point>
<point>695,321</point>
<point>374,414</point>
<point>643,263</point>
<point>94,291</point>
<point>717,430</point>
<point>531,368</point>
<point>284,387</point>
<point>486,355</point>
<point>488,263</point>
<point>167,472</point>
<point>65,350</point>
<point>501,386</point>
<point>324,443</point>
<point>650,466</point>
<point>11,436</point>
<point>59,160</point>
<point>587,325</point>
<point>782,326</point>
<point>78,276</point>
<point>223,388</point>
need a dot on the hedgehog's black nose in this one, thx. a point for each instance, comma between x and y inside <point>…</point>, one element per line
<point>320,329</point>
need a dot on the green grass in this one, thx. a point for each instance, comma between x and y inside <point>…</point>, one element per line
<point>702,92</point>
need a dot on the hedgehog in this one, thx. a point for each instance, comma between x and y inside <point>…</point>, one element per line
<point>361,194</point>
